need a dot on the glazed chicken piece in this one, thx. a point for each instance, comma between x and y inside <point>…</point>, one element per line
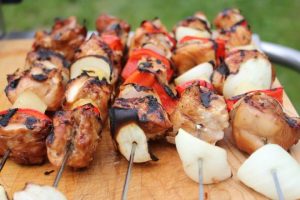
<point>228,18</point>
<point>50,60</point>
<point>243,71</point>
<point>65,37</point>
<point>258,119</point>
<point>200,112</point>
<point>23,132</point>
<point>196,26</point>
<point>154,36</point>
<point>78,130</point>
<point>110,25</point>
<point>44,82</point>
<point>193,52</point>
<point>85,89</point>
<point>145,110</point>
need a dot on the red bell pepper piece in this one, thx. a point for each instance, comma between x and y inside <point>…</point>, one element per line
<point>30,112</point>
<point>276,93</point>
<point>136,55</point>
<point>180,88</point>
<point>149,80</point>
<point>113,42</point>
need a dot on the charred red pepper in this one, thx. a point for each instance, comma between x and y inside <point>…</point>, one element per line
<point>148,79</point>
<point>180,88</point>
<point>113,42</point>
<point>30,112</point>
<point>276,93</point>
<point>132,63</point>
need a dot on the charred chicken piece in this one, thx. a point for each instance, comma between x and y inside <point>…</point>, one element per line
<point>46,83</point>
<point>110,25</point>
<point>243,71</point>
<point>258,119</point>
<point>65,37</point>
<point>23,132</point>
<point>196,25</point>
<point>133,90</point>
<point>193,52</point>
<point>50,60</point>
<point>228,18</point>
<point>85,89</point>
<point>153,35</point>
<point>200,112</point>
<point>78,130</point>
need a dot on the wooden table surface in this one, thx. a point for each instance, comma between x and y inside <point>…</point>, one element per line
<point>104,179</point>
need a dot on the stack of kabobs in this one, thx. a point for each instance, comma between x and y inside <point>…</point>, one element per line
<point>186,87</point>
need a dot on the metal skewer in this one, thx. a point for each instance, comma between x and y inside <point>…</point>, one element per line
<point>62,167</point>
<point>4,159</point>
<point>277,185</point>
<point>128,173</point>
<point>201,187</point>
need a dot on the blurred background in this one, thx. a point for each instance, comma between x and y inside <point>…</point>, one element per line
<point>275,21</point>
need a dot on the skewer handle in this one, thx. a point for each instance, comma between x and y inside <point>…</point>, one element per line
<point>277,185</point>
<point>4,159</point>
<point>62,167</point>
<point>128,173</point>
<point>201,187</point>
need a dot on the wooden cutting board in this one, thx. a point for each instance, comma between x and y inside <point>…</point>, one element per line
<point>104,179</point>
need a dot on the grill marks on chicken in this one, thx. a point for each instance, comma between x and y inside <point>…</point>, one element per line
<point>200,112</point>
<point>23,133</point>
<point>66,36</point>
<point>272,125</point>
<point>78,129</point>
<point>45,83</point>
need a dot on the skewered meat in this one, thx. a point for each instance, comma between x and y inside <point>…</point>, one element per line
<point>45,83</point>
<point>23,133</point>
<point>215,167</point>
<point>193,52</point>
<point>65,37</point>
<point>196,25</point>
<point>258,119</point>
<point>79,130</point>
<point>243,71</point>
<point>85,89</point>
<point>110,25</point>
<point>50,60</point>
<point>132,90</point>
<point>228,18</point>
<point>39,192</point>
<point>200,112</point>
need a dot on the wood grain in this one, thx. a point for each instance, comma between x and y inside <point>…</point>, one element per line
<point>164,179</point>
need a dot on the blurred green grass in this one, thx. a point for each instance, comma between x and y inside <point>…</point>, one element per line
<point>274,20</point>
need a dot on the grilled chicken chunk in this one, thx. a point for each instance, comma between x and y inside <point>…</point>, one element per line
<point>23,132</point>
<point>46,83</point>
<point>78,130</point>
<point>50,60</point>
<point>132,90</point>
<point>200,112</point>
<point>258,119</point>
<point>193,52</point>
<point>110,25</point>
<point>228,18</point>
<point>154,36</point>
<point>243,71</point>
<point>85,89</point>
<point>65,37</point>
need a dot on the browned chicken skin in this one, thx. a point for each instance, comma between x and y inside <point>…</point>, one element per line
<point>193,52</point>
<point>198,21</point>
<point>258,119</point>
<point>228,18</point>
<point>78,130</point>
<point>88,88</point>
<point>200,112</point>
<point>65,37</point>
<point>24,135</point>
<point>144,109</point>
<point>45,83</point>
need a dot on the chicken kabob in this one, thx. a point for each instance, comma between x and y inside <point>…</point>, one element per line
<point>140,111</point>
<point>39,87</point>
<point>245,78</point>
<point>201,115</point>
<point>94,73</point>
